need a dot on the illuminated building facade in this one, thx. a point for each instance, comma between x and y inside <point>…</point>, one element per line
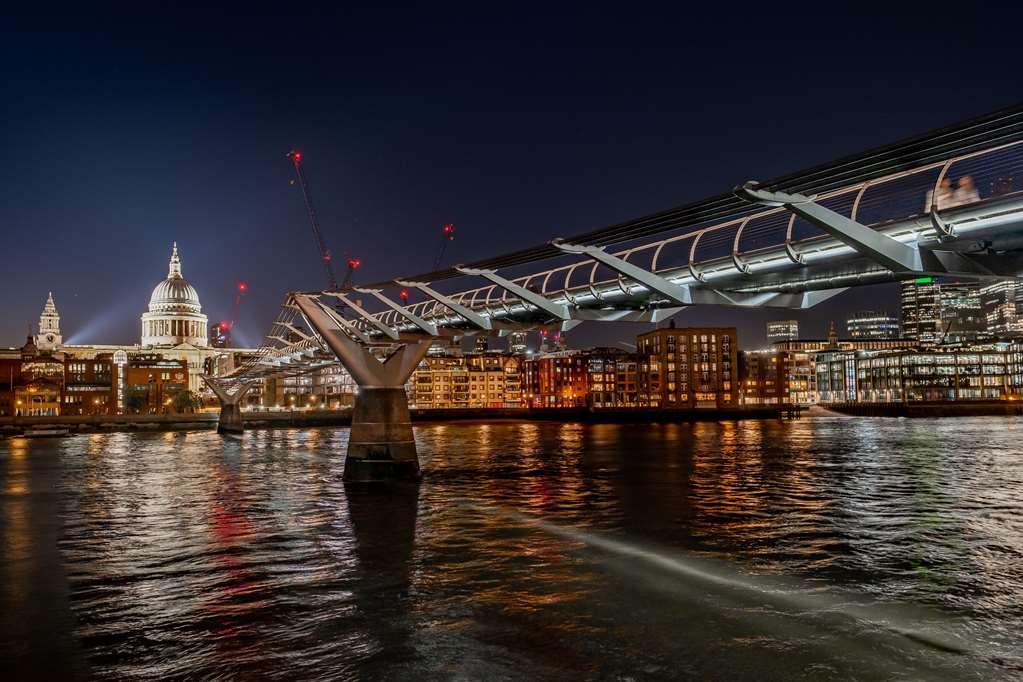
<point>776,377</point>
<point>150,382</point>
<point>782,330</point>
<point>921,310</point>
<point>477,380</point>
<point>981,372</point>
<point>557,379</point>
<point>688,367</point>
<point>1000,308</point>
<point>962,319</point>
<point>42,383</point>
<point>517,343</point>
<point>872,324</point>
<point>175,315</point>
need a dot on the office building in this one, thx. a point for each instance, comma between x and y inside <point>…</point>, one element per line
<point>1001,309</point>
<point>782,330</point>
<point>872,324</point>
<point>921,310</point>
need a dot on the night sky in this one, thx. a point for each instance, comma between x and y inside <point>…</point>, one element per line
<point>122,134</point>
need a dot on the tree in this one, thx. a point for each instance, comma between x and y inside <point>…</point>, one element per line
<point>186,401</point>
<point>135,403</point>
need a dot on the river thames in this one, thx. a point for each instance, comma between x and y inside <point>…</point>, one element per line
<point>813,549</point>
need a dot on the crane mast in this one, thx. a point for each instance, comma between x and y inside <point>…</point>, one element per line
<point>296,160</point>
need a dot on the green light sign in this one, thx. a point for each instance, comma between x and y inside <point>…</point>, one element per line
<point>924,280</point>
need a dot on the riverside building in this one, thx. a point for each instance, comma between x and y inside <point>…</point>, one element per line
<point>983,372</point>
<point>688,367</point>
<point>599,378</point>
<point>776,377</point>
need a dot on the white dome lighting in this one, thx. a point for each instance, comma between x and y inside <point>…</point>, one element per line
<point>175,314</point>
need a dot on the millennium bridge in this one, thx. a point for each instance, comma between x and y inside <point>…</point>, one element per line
<point>945,203</point>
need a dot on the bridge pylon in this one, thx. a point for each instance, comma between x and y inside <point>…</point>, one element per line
<point>381,444</point>
<point>230,398</point>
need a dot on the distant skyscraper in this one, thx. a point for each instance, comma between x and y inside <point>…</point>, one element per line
<point>782,330</point>
<point>962,319</point>
<point>220,336</point>
<point>545,342</point>
<point>872,324</point>
<point>921,309</point>
<point>49,337</point>
<point>1001,308</point>
<point>517,343</point>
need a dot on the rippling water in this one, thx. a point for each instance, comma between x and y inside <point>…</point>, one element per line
<point>827,547</point>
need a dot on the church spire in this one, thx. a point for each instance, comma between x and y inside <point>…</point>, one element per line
<point>175,263</point>
<point>48,337</point>
<point>50,308</point>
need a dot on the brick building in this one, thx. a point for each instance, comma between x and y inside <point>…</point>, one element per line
<point>688,367</point>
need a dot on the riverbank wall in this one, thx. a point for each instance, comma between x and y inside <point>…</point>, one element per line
<point>310,418</point>
<point>922,409</point>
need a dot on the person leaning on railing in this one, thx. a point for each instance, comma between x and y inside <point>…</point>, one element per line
<point>942,198</point>
<point>946,197</point>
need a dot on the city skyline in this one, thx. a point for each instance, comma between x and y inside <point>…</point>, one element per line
<point>128,167</point>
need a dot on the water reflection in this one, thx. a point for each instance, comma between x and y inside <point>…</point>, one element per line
<point>533,550</point>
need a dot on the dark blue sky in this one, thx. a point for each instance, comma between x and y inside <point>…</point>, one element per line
<point>124,133</point>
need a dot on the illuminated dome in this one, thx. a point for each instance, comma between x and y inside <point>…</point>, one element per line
<point>175,314</point>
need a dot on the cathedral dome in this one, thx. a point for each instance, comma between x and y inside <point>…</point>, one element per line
<point>174,293</point>
<point>175,314</point>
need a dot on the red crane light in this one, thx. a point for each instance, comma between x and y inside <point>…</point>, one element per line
<point>354,263</point>
<point>403,294</point>
<point>296,157</point>
<point>242,286</point>
<point>448,230</point>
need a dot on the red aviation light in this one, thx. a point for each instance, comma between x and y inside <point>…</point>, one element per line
<point>243,287</point>
<point>448,230</point>
<point>296,156</point>
<point>354,263</point>
<point>403,294</point>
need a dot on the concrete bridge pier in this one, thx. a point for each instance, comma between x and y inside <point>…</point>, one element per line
<point>230,420</point>
<point>381,445</point>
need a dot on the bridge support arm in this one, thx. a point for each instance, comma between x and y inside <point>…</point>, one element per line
<point>472,317</point>
<point>675,292</point>
<point>428,327</point>
<point>390,332</point>
<point>556,310</point>
<point>880,248</point>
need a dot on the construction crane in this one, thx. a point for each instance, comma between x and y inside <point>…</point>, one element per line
<point>353,265</point>
<point>447,234</point>
<point>225,330</point>
<point>296,160</point>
